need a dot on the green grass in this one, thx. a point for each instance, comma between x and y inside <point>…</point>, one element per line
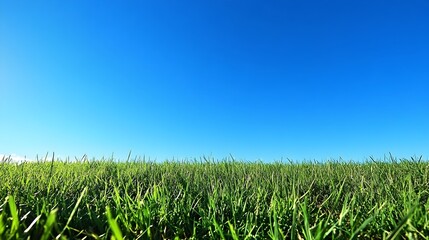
<point>214,200</point>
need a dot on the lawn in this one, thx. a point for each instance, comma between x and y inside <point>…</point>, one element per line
<point>211,199</point>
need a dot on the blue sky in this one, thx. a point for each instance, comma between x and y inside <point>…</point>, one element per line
<point>256,79</point>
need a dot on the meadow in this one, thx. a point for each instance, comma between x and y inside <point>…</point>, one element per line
<point>210,199</point>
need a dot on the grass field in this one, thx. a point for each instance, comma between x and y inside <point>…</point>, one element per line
<point>210,199</point>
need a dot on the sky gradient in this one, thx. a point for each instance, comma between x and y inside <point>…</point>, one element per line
<point>256,79</point>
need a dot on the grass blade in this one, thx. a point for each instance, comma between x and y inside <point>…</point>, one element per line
<point>14,212</point>
<point>47,228</point>
<point>114,225</point>
<point>401,224</point>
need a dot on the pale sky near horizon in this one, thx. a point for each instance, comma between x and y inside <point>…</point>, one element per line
<point>256,79</point>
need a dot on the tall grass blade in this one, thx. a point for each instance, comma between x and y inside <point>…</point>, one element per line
<point>28,229</point>
<point>394,234</point>
<point>114,225</point>
<point>50,221</point>
<point>360,228</point>
<point>14,212</point>
<point>233,232</point>
<point>74,210</point>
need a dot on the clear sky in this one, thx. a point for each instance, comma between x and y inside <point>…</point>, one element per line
<point>310,79</point>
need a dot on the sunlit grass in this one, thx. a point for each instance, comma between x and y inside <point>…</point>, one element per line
<point>211,199</point>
